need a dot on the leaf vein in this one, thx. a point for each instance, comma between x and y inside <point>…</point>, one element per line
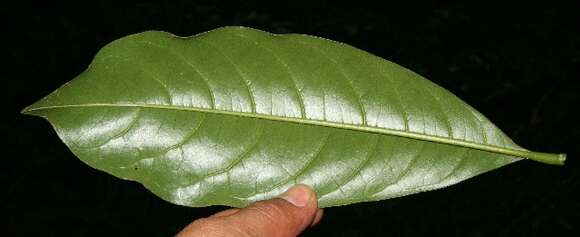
<point>346,78</point>
<point>357,170</point>
<point>297,174</point>
<point>130,126</point>
<point>440,108</point>
<point>243,155</point>
<point>244,80</point>
<point>399,101</point>
<point>193,67</point>
<point>404,172</point>
<point>324,123</point>
<point>285,65</point>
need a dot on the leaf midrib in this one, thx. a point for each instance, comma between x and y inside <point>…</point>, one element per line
<point>537,156</point>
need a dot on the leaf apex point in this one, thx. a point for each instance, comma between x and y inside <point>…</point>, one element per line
<point>26,110</point>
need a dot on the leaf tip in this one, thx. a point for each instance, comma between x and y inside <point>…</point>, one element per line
<point>27,110</point>
<point>31,109</point>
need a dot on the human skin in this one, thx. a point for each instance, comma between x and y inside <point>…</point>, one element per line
<point>285,216</point>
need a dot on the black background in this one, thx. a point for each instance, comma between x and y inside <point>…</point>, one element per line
<point>517,63</point>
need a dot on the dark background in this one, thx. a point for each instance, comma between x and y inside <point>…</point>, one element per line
<point>517,63</point>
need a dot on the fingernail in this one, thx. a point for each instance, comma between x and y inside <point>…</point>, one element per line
<point>298,195</point>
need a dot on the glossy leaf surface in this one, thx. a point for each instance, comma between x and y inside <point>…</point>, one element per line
<point>236,115</point>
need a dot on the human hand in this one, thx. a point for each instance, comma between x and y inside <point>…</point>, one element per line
<point>288,215</point>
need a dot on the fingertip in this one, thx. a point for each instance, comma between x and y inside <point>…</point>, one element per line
<point>317,217</point>
<point>288,215</point>
<point>299,195</point>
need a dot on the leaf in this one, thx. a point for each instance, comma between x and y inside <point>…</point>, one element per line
<point>236,115</point>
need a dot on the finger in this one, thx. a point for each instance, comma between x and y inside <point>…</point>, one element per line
<point>227,212</point>
<point>285,216</point>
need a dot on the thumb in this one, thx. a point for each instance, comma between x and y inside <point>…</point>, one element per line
<point>285,216</point>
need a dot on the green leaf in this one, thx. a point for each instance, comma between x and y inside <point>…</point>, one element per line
<point>236,115</point>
